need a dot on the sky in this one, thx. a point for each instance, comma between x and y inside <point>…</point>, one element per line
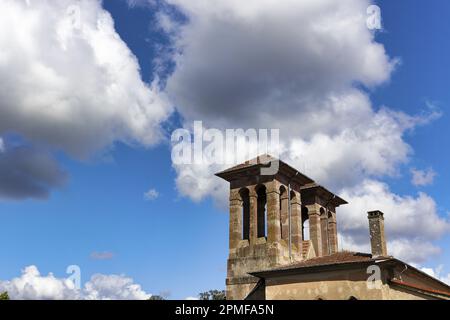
<point>91,92</point>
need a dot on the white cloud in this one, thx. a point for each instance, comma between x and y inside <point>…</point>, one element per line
<point>2,145</point>
<point>113,287</point>
<point>191,298</point>
<point>257,64</point>
<point>31,285</point>
<point>291,65</point>
<point>405,216</point>
<point>273,65</point>
<point>437,273</point>
<point>69,81</point>
<point>151,195</point>
<point>411,223</point>
<point>422,177</point>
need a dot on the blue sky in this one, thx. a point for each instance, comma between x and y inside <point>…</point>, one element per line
<point>177,246</point>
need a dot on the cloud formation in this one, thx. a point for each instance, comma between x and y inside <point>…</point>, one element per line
<point>31,285</point>
<point>69,82</point>
<point>422,177</point>
<point>26,172</point>
<point>411,223</point>
<point>294,65</point>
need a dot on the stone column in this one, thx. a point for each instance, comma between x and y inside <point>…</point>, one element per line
<point>273,213</point>
<point>235,219</point>
<point>296,222</point>
<point>284,216</point>
<point>315,233</point>
<point>332,229</point>
<point>325,232</point>
<point>253,215</point>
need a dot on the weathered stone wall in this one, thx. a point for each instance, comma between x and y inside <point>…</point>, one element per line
<point>259,253</point>
<point>334,285</point>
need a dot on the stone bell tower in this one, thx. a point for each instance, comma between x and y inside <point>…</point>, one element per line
<point>259,225</point>
<point>261,235</point>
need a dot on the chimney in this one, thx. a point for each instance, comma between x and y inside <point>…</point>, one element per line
<point>377,237</point>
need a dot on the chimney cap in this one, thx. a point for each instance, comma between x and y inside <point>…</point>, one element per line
<point>375,214</point>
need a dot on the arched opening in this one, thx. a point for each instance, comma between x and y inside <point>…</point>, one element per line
<point>245,196</point>
<point>322,211</point>
<point>292,195</point>
<point>305,223</point>
<point>261,211</point>
<point>283,212</point>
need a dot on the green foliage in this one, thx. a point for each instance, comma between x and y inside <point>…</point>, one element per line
<point>213,295</point>
<point>4,296</point>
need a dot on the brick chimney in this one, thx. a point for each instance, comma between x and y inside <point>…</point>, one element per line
<point>377,237</point>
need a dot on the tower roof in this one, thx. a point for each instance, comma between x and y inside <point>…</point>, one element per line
<point>311,190</point>
<point>253,166</point>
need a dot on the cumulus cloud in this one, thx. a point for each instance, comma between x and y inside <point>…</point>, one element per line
<point>31,285</point>
<point>291,65</point>
<point>69,82</point>
<point>411,223</point>
<point>113,287</point>
<point>26,172</point>
<point>422,177</point>
<point>151,195</point>
<point>259,63</point>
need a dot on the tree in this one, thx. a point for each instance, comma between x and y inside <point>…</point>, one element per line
<point>213,295</point>
<point>4,296</point>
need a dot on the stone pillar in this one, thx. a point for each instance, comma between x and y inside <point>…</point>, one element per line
<point>284,213</point>
<point>377,237</point>
<point>315,233</point>
<point>325,232</point>
<point>235,219</point>
<point>332,233</point>
<point>296,222</point>
<point>253,216</point>
<point>273,213</point>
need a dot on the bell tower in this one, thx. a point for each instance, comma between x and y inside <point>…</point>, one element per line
<point>261,235</point>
